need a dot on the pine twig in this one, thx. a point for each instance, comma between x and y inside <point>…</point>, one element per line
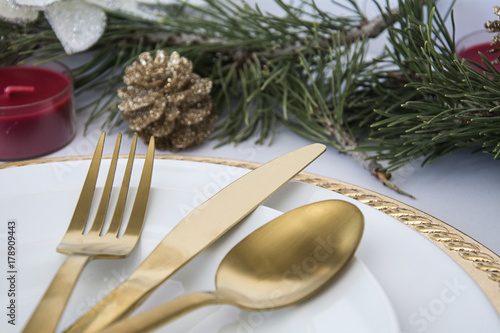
<point>348,145</point>
<point>364,30</point>
<point>269,69</point>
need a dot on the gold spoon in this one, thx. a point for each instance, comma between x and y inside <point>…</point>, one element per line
<point>281,263</point>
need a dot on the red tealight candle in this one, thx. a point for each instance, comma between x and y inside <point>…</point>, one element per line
<point>36,110</point>
<point>470,47</point>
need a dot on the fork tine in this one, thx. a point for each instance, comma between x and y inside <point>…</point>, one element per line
<point>106,192</point>
<point>136,220</point>
<point>82,209</point>
<point>116,220</point>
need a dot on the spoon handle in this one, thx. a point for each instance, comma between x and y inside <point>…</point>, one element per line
<point>162,314</point>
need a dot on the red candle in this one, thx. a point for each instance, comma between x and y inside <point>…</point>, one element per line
<point>36,110</point>
<point>472,54</point>
<point>475,43</point>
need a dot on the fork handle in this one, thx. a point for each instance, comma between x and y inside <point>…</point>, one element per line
<point>46,316</point>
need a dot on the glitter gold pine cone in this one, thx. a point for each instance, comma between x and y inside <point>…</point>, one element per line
<point>494,26</point>
<point>165,99</point>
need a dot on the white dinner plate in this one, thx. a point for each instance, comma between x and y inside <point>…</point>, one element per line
<point>398,281</point>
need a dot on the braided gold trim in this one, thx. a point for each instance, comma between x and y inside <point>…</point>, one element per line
<point>482,264</point>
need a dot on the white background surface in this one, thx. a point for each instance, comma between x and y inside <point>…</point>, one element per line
<point>461,189</point>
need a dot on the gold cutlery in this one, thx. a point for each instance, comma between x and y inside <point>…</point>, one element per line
<point>82,247</point>
<point>200,228</point>
<point>265,270</point>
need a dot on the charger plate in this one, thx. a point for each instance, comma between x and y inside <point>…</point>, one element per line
<point>436,277</point>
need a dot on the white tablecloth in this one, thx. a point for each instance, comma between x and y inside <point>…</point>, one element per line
<point>460,189</point>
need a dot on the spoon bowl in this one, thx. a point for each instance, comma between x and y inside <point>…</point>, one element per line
<point>283,262</point>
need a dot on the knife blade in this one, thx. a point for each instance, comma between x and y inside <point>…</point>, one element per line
<point>200,228</point>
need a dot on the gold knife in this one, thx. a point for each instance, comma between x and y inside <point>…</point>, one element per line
<point>194,233</point>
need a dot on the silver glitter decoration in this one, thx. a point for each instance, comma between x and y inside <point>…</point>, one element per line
<point>35,4</point>
<point>13,14</point>
<point>77,25</point>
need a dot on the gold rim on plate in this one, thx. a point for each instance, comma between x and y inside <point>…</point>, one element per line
<point>479,262</point>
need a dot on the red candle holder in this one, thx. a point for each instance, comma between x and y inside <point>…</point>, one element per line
<point>469,47</point>
<point>37,115</point>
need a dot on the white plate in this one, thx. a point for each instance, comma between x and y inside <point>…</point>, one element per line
<point>41,198</point>
<point>426,290</point>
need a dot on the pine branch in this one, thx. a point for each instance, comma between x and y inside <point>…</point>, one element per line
<point>348,31</point>
<point>306,70</point>
<point>443,105</point>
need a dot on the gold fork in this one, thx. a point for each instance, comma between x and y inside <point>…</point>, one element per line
<point>80,247</point>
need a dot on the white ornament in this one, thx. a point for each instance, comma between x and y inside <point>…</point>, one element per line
<point>35,4</point>
<point>78,24</point>
<point>13,14</point>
